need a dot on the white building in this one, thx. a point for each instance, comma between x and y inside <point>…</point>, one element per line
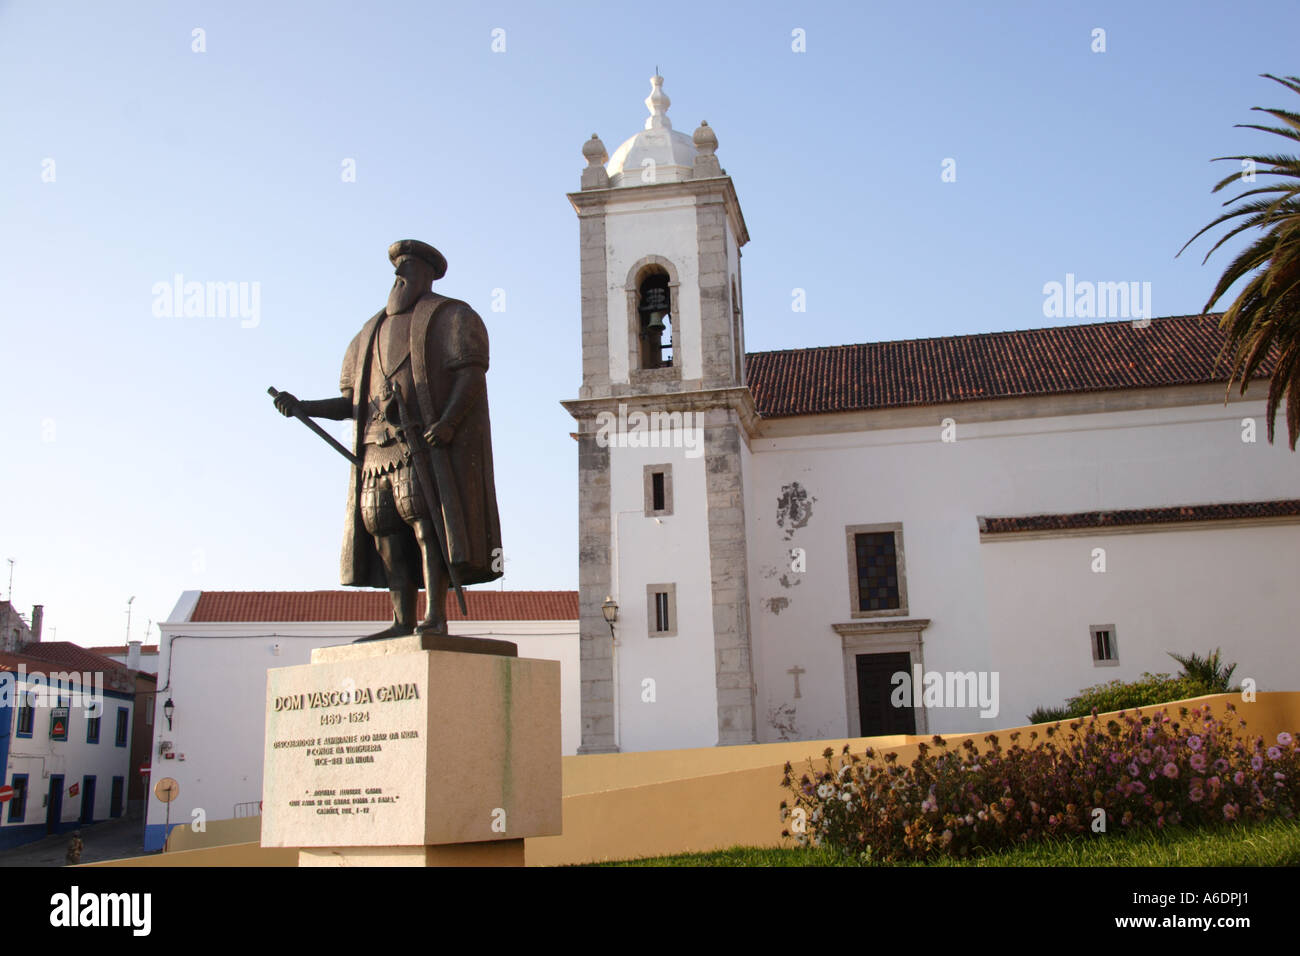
<point>217,646</point>
<point>136,655</point>
<point>65,741</point>
<point>784,532</point>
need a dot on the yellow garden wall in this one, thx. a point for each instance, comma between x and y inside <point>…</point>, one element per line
<point>627,806</point>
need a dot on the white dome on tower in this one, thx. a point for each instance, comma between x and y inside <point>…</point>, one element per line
<point>657,154</point>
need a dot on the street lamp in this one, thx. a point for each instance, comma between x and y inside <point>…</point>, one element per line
<point>168,709</point>
<point>610,610</point>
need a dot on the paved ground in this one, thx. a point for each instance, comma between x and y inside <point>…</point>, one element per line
<point>110,840</point>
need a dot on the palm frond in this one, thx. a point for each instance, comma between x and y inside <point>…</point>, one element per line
<point>1262,323</point>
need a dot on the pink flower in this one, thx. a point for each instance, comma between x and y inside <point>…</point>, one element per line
<point>1230,811</point>
<point>1194,742</point>
<point>1239,778</point>
<point>1195,794</point>
<point>1257,762</point>
<point>1284,739</point>
<point>1134,770</point>
<point>1197,761</point>
<point>1144,755</point>
<point>1170,770</point>
<point>1274,753</point>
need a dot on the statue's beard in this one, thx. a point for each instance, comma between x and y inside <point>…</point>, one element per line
<point>403,297</point>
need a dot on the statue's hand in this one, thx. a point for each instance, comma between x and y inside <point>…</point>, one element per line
<point>286,404</point>
<point>439,434</point>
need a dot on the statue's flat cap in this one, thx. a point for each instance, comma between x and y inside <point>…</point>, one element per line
<point>404,248</point>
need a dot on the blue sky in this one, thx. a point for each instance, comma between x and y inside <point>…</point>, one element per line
<point>141,454</point>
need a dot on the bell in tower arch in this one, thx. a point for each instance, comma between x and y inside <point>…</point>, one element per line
<point>653,308</point>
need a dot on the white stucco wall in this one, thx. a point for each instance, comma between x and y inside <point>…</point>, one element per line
<point>216,675</point>
<point>39,756</point>
<point>670,549</point>
<point>661,227</point>
<point>1172,590</point>
<point>1070,463</point>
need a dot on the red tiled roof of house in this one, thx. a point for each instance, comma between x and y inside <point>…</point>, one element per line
<point>1139,516</point>
<point>375,606</point>
<point>47,656</point>
<point>123,649</point>
<point>65,654</point>
<point>11,662</point>
<point>1179,350</point>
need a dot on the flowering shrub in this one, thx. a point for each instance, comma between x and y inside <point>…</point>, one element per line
<point>1143,771</point>
<point>1146,691</point>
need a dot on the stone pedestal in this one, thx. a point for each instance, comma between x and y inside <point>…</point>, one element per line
<point>412,752</point>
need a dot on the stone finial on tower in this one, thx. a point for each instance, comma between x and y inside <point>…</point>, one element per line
<point>595,176</point>
<point>706,145</point>
<point>657,103</point>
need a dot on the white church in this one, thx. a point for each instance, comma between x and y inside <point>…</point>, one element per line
<point>1005,518</point>
<point>768,539</point>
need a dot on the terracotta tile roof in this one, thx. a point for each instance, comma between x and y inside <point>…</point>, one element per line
<point>65,656</point>
<point>10,662</point>
<point>357,605</point>
<point>1178,350</point>
<point>71,656</point>
<point>1140,516</point>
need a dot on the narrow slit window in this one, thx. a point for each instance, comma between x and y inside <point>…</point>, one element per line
<point>1105,650</point>
<point>661,611</point>
<point>658,482</point>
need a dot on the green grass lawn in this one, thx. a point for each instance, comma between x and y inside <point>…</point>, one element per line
<point>1275,843</point>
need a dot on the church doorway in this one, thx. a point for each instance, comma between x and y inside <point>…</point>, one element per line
<point>876,714</point>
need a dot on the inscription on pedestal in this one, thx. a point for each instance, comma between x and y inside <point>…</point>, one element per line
<point>338,748</point>
<point>341,744</point>
<point>411,749</point>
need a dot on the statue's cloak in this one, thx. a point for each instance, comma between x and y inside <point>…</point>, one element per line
<point>446,335</point>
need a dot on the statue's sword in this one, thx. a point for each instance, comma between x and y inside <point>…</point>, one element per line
<point>421,453</point>
<point>334,442</point>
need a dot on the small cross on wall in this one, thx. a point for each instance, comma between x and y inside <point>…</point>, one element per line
<point>795,672</point>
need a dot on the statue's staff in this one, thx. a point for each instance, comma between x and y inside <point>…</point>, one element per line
<point>334,442</point>
<point>421,454</point>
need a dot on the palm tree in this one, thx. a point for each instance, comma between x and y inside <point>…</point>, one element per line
<point>1264,319</point>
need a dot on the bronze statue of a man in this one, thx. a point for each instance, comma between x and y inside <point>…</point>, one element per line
<point>422,506</point>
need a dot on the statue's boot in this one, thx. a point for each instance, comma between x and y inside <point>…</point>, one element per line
<point>403,610</point>
<point>395,630</point>
<point>430,626</point>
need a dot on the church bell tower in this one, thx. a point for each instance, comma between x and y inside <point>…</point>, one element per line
<point>663,429</point>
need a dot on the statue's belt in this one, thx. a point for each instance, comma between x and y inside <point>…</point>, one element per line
<point>380,433</point>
